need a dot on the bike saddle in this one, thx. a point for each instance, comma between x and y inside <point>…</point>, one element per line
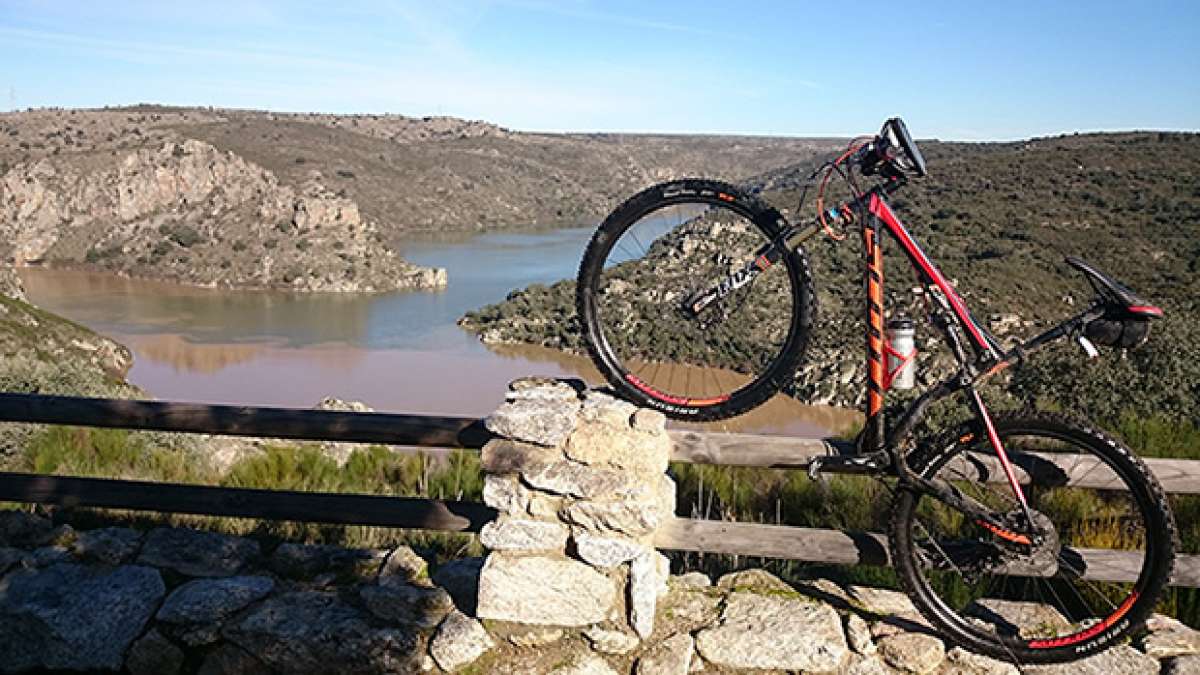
<point>1114,292</point>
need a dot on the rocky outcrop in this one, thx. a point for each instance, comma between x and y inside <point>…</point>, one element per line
<point>186,211</point>
<point>10,283</point>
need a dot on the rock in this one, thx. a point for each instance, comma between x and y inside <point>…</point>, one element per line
<point>913,652</point>
<point>546,507</point>
<point>1121,659</point>
<point>882,601</point>
<point>501,456</point>
<point>506,494</point>
<point>9,558</point>
<point>537,637</point>
<point>650,421</point>
<point>691,580</point>
<point>858,634</point>
<point>405,604</point>
<point>858,664</point>
<point>610,641</point>
<point>691,610</point>
<point>631,518</point>
<point>545,388</point>
<point>644,581</point>
<point>672,656</point>
<point>1034,619</point>
<point>49,555</point>
<point>754,580</point>
<point>230,660</point>
<point>341,452</point>
<point>213,600</point>
<point>585,665</point>
<point>21,529</point>
<point>10,284</point>
<point>962,662</point>
<point>460,578</point>
<point>766,631</point>
<point>306,561</point>
<point>154,654</point>
<point>308,631</point>
<point>71,617</point>
<point>109,545</point>
<point>404,563</point>
<point>511,534</point>
<point>605,552</point>
<point>544,590</point>
<point>459,641</point>
<point>1175,641</point>
<point>600,442</point>
<point>564,477</point>
<point>198,554</point>
<point>1182,665</point>
<point>545,421</point>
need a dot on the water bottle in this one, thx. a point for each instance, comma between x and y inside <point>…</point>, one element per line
<point>901,357</point>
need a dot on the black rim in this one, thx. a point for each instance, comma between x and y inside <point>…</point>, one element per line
<point>679,364</point>
<point>1087,610</point>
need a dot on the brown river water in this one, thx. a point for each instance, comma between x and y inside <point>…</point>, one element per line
<point>397,352</point>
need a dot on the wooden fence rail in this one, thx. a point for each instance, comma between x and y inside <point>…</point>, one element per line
<point>683,534</point>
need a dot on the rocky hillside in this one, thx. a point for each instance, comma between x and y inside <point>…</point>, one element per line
<point>186,211</point>
<point>412,173</point>
<point>44,353</point>
<point>998,218</point>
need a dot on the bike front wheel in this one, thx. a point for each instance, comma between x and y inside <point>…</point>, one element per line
<point>661,248</point>
<point>1102,556</point>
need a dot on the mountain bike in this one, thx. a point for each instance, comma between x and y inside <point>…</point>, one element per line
<point>1030,537</point>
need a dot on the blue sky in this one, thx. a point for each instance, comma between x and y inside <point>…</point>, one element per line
<point>954,70</point>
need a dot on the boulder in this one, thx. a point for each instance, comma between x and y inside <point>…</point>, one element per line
<point>109,545</point>
<point>459,641</point>
<point>962,662</point>
<point>506,494</point>
<point>913,652</point>
<point>306,561</point>
<point>198,554</point>
<point>154,654</point>
<point>1174,641</point>
<point>405,563</point>
<point>308,631</point>
<point>537,419</point>
<point>460,578</point>
<point>644,583</point>
<point>605,552</point>
<point>672,656</point>
<point>213,600</point>
<point>71,617</point>
<point>401,603</point>
<point>513,534</point>
<point>609,641</point>
<point>768,631</point>
<point>544,590</point>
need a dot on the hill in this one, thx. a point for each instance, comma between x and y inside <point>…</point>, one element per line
<point>998,218</point>
<point>237,198</point>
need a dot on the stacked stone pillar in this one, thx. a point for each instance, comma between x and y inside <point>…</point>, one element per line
<point>579,479</point>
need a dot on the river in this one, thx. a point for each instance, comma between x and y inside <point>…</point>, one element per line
<point>397,352</point>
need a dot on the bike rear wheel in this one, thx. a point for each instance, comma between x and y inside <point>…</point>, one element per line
<point>1069,594</point>
<point>663,246</point>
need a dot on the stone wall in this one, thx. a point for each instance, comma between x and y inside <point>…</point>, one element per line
<point>579,479</point>
<point>572,586</point>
